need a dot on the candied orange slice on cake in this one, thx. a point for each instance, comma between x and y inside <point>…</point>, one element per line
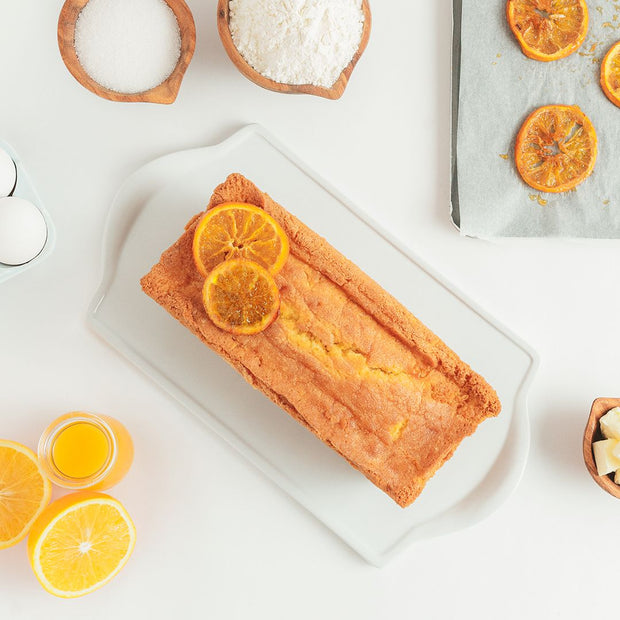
<point>24,491</point>
<point>548,29</point>
<point>80,542</point>
<point>610,74</point>
<point>239,230</point>
<point>241,297</point>
<point>556,148</point>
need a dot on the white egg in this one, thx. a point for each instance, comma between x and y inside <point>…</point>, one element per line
<point>23,231</point>
<point>8,174</point>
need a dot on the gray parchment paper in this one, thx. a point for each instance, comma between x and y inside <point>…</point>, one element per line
<point>499,87</point>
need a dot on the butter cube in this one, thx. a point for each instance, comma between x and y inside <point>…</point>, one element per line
<point>610,424</point>
<point>604,457</point>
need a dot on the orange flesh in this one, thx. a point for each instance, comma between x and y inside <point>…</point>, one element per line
<point>556,148</point>
<point>62,558</point>
<point>80,450</point>
<point>79,543</point>
<point>24,492</point>
<point>548,29</point>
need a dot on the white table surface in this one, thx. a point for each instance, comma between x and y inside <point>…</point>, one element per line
<point>216,538</point>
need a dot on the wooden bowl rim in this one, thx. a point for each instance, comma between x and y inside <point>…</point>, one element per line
<point>593,433</point>
<point>334,92</point>
<point>164,93</point>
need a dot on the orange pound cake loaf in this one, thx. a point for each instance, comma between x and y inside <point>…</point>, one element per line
<point>343,357</point>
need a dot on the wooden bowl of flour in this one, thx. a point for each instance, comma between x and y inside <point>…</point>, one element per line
<point>335,91</point>
<point>165,93</point>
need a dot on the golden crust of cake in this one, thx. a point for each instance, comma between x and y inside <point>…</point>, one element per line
<point>344,357</point>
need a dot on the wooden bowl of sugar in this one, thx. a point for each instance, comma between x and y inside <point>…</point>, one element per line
<point>593,433</point>
<point>252,52</point>
<point>124,51</point>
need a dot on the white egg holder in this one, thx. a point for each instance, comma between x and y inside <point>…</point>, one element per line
<point>25,189</point>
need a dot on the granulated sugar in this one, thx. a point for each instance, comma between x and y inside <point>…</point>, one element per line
<point>297,41</point>
<point>128,46</point>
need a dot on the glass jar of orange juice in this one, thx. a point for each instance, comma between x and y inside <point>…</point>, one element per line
<point>82,450</point>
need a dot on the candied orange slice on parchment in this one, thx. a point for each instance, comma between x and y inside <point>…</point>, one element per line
<point>610,74</point>
<point>548,29</point>
<point>556,148</point>
<point>241,297</point>
<point>239,230</point>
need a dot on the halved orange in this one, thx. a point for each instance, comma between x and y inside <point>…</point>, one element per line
<point>548,29</point>
<point>24,491</point>
<point>80,542</point>
<point>239,230</point>
<point>610,74</point>
<point>241,297</point>
<point>556,148</point>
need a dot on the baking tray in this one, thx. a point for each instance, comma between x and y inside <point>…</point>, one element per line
<point>457,10</point>
<point>26,189</point>
<point>494,88</point>
<point>150,212</point>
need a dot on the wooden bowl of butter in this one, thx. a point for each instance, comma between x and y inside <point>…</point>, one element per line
<point>601,444</point>
<point>265,46</point>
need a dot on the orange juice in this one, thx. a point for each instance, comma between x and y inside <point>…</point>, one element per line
<point>82,450</point>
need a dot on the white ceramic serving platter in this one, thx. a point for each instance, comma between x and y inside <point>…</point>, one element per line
<point>25,189</point>
<point>148,215</point>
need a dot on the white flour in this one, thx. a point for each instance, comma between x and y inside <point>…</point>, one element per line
<point>297,41</point>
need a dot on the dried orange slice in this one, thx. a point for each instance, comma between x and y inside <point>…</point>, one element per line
<point>241,297</point>
<point>556,148</point>
<point>610,74</point>
<point>239,230</point>
<point>80,542</point>
<point>24,491</point>
<point>548,29</point>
